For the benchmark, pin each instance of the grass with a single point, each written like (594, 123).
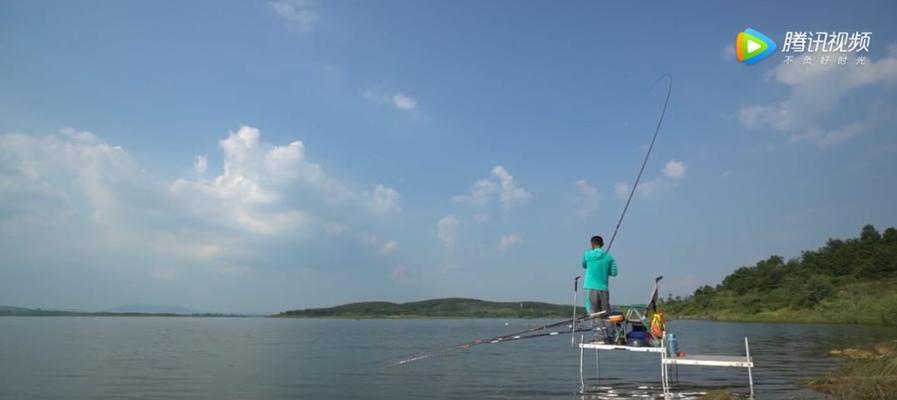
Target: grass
(865, 374)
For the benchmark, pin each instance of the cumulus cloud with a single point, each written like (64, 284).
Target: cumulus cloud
(266, 188)
(403, 102)
(72, 199)
(499, 185)
(674, 169)
(399, 100)
(672, 173)
(384, 199)
(816, 90)
(507, 241)
(297, 14)
(446, 230)
(251, 191)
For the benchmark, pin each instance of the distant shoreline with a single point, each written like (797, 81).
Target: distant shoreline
(447, 308)
(139, 315)
(8, 311)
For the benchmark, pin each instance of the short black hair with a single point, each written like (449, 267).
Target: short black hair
(598, 241)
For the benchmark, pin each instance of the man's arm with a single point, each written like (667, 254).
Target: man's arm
(584, 265)
(613, 267)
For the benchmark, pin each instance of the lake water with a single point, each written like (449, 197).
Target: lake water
(267, 358)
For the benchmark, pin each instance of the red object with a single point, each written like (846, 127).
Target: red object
(680, 354)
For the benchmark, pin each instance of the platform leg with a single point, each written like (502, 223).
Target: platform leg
(596, 366)
(664, 380)
(747, 353)
(582, 383)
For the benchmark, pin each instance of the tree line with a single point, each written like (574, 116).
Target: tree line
(843, 277)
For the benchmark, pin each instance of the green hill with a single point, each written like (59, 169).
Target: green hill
(845, 281)
(438, 308)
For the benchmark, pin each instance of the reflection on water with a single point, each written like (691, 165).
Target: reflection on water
(264, 358)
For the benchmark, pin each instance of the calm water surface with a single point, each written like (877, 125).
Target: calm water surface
(266, 358)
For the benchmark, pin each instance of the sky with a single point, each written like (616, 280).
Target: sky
(255, 157)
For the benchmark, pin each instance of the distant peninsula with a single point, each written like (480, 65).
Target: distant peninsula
(437, 308)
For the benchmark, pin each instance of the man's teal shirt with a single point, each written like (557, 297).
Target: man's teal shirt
(599, 265)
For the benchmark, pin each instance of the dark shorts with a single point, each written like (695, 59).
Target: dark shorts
(599, 300)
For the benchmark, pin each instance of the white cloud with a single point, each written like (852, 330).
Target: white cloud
(297, 14)
(510, 194)
(674, 169)
(586, 200)
(399, 100)
(200, 164)
(252, 190)
(85, 198)
(446, 230)
(621, 189)
(816, 90)
(384, 199)
(501, 185)
(480, 193)
(672, 173)
(266, 188)
(507, 241)
(403, 102)
(389, 247)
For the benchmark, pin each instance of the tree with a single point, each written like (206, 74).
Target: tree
(811, 292)
(869, 234)
(890, 235)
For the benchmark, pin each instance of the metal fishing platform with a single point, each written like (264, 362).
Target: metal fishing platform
(666, 360)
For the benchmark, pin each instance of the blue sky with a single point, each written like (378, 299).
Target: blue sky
(261, 156)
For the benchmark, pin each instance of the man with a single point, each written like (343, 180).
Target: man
(599, 266)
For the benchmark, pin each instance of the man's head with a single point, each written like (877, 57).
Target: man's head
(597, 242)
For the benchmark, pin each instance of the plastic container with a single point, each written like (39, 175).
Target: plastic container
(672, 344)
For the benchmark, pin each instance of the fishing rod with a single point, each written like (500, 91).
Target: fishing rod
(638, 178)
(524, 334)
(645, 161)
(553, 333)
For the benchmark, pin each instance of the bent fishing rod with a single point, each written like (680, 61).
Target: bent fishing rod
(638, 178)
(524, 334)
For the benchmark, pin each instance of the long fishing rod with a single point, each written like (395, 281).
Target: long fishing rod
(645, 161)
(524, 334)
(638, 178)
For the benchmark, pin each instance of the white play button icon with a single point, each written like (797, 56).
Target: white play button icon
(752, 45)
